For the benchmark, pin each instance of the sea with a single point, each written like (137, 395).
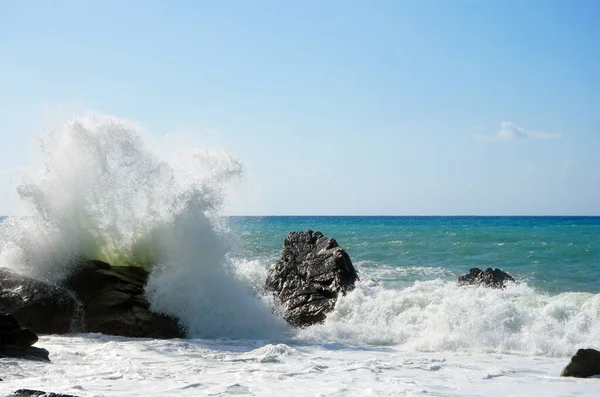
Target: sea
(407, 328)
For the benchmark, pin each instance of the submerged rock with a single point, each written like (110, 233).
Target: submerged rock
(585, 363)
(27, 353)
(493, 278)
(312, 272)
(39, 306)
(16, 341)
(113, 302)
(37, 393)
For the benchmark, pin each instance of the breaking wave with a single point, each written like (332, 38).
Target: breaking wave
(101, 193)
(439, 315)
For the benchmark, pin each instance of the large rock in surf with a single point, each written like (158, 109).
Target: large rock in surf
(113, 302)
(312, 272)
(493, 278)
(39, 306)
(585, 363)
(95, 298)
(16, 341)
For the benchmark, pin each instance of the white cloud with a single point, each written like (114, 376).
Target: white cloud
(509, 131)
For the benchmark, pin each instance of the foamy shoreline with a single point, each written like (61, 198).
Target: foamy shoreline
(98, 365)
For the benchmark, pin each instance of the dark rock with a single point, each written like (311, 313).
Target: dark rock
(585, 363)
(95, 298)
(16, 341)
(28, 353)
(39, 306)
(312, 271)
(113, 302)
(11, 332)
(37, 393)
(493, 278)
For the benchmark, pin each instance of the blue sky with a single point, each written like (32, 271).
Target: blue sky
(334, 107)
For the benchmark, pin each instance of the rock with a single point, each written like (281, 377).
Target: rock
(37, 393)
(113, 302)
(39, 306)
(28, 353)
(308, 278)
(11, 333)
(16, 341)
(95, 298)
(493, 278)
(585, 363)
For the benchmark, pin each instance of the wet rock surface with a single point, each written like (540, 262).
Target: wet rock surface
(492, 278)
(312, 272)
(585, 363)
(97, 297)
(16, 341)
(39, 306)
(113, 302)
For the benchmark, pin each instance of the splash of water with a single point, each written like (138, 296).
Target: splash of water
(438, 315)
(103, 194)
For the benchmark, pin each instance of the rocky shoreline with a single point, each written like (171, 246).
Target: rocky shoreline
(95, 298)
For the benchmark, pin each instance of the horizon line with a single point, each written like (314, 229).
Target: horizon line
(416, 216)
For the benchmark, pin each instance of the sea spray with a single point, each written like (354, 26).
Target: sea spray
(98, 194)
(103, 194)
(211, 300)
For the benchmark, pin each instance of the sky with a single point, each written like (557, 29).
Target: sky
(334, 107)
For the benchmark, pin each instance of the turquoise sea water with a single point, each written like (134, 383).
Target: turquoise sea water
(550, 254)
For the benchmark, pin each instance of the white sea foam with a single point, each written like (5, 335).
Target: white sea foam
(97, 365)
(441, 316)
